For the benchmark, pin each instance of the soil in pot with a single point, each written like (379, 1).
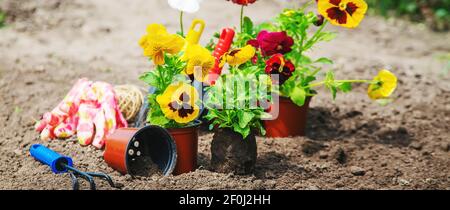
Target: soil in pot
(144, 166)
(230, 153)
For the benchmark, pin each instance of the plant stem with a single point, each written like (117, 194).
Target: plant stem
(161, 76)
(181, 24)
(303, 36)
(302, 40)
(242, 17)
(356, 81)
(342, 81)
(316, 84)
(315, 72)
(308, 43)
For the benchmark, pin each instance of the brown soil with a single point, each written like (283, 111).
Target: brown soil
(144, 166)
(351, 143)
(230, 153)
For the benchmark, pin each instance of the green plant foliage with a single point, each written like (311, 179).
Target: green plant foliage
(160, 79)
(298, 24)
(2, 19)
(231, 102)
(435, 12)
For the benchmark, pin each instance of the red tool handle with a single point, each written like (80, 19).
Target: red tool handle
(224, 44)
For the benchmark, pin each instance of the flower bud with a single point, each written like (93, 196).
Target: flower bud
(319, 20)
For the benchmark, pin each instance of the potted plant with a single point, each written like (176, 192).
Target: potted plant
(175, 104)
(234, 101)
(235, 117)
(281, 45)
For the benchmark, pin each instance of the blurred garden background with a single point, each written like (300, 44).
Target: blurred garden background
(351, 143)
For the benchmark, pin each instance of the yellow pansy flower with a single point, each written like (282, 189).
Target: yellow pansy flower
(179, 103)
(346, 13)
(238, 56)
(199, 62)
(158, 41)
(384, 85)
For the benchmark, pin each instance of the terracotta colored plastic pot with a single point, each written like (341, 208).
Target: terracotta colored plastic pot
(128, 144)
(186, 140)
(291, 120)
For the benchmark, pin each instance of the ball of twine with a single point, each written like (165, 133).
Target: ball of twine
(130, 100)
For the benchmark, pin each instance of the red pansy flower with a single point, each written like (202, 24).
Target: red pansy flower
(272, 43)
(277, 64)
(243, 2)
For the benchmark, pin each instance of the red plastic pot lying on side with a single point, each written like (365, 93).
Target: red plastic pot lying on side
(186, 140)
(291, 120)
(127, 144)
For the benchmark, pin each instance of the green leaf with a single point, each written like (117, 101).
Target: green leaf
(298, 96)
(333, 90)
(211, 126)
(265, 115)
(2, 19)
(248, 25)
(265, 26)
(243, 131)
(411, 7)
(245, 118)
(441, 13)
(345, 87)
(324, 60)
(330, 83)
(251, 70)
(180, 78)
(159, 120)
(329, 77)
(305, 60)
(308, 79)
(327, 36)
(211, 115)
(150, 78)
(262, 130)
(241, 119)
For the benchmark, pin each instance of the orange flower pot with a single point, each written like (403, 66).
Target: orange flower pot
(126, 144)
(291, 119)
(186, 140)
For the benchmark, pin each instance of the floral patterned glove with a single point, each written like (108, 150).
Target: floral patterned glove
(90, 110)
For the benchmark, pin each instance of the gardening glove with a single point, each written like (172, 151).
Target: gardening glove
(99, 115)
(58, 123)
(90, 110)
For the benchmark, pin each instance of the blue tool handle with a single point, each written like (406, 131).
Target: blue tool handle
(50, 158)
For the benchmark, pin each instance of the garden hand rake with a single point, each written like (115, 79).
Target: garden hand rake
(63, 164)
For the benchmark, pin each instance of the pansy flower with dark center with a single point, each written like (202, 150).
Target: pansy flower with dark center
(272, 43)
(278, 65)
(346, 13)
(237, 57)
(179, 103)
